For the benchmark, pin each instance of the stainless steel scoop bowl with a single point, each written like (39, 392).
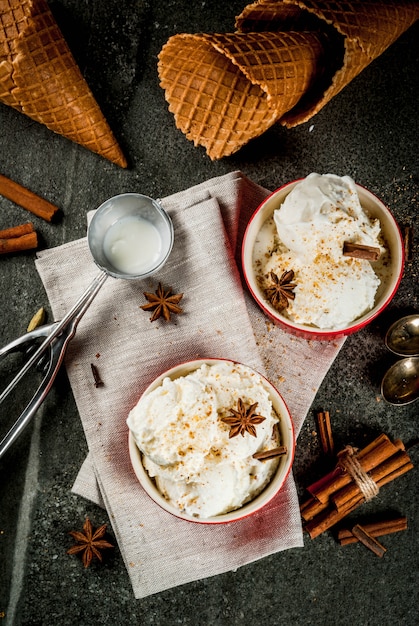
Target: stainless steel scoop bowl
(123, 206)
(402, 337)
(400, 384)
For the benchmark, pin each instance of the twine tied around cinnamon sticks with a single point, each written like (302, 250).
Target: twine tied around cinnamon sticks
(338, 493)
(348, 461)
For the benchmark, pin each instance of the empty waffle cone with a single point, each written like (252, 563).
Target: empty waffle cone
(227, 89)
(358, 30)
(40, 78)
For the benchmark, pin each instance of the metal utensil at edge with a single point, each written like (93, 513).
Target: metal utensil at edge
(58, 334)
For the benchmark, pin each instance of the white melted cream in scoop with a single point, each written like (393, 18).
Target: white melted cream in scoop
(132, 245)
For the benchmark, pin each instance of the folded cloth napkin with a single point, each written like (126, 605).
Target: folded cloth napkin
(219, 320)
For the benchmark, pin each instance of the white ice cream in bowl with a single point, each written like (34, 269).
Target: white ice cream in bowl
(211, 441)
(322, 256)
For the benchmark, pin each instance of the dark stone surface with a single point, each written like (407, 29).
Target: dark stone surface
(369, 131)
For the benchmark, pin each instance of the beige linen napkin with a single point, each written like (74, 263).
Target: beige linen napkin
(219, 320)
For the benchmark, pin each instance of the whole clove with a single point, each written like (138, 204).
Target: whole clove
(96, 376)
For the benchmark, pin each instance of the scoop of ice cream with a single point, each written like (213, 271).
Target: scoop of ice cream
(316, 218)
(186, 446)
(319, 214)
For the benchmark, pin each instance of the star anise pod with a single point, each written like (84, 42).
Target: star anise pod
(243, 419)
(89, 542)
(282, 290)
(163, 303)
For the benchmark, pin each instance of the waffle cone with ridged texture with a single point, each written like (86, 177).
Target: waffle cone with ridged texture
(224, 90)
(40, 78)
(363, 29)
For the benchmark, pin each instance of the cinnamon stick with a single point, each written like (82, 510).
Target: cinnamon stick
(375, 529)
(27, 199)
(330, 515)
(325, 432)
(369, 457)
(328, 487)
(395, 474)
(270, 454)
(379, 475)
(361, 251)
(17, 231)
(17, 244)
(343, 493)
(312, 507)
(358, 498)
(326, 519)
(368, 540)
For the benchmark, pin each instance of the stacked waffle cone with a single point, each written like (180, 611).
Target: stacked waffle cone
(285, 61)
(40, 78)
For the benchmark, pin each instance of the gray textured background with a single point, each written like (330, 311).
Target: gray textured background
(370, 132)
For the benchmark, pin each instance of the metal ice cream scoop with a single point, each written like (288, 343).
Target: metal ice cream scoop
(108, 252)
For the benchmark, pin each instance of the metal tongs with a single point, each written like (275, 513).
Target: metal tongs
(58, 335)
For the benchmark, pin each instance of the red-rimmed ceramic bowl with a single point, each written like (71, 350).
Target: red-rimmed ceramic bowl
(287, 438)
(374, 208)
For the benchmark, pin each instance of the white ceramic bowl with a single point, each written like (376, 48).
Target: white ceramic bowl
(286, 430)
(391, 233)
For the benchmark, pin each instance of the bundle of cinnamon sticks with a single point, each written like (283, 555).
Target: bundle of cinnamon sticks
(337, 494)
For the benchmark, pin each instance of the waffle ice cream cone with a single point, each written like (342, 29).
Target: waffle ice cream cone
(227, 89)
(287, 59)
(359, 31)
(40, 78)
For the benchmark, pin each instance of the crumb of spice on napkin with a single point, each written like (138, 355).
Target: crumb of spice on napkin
(209, 220)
